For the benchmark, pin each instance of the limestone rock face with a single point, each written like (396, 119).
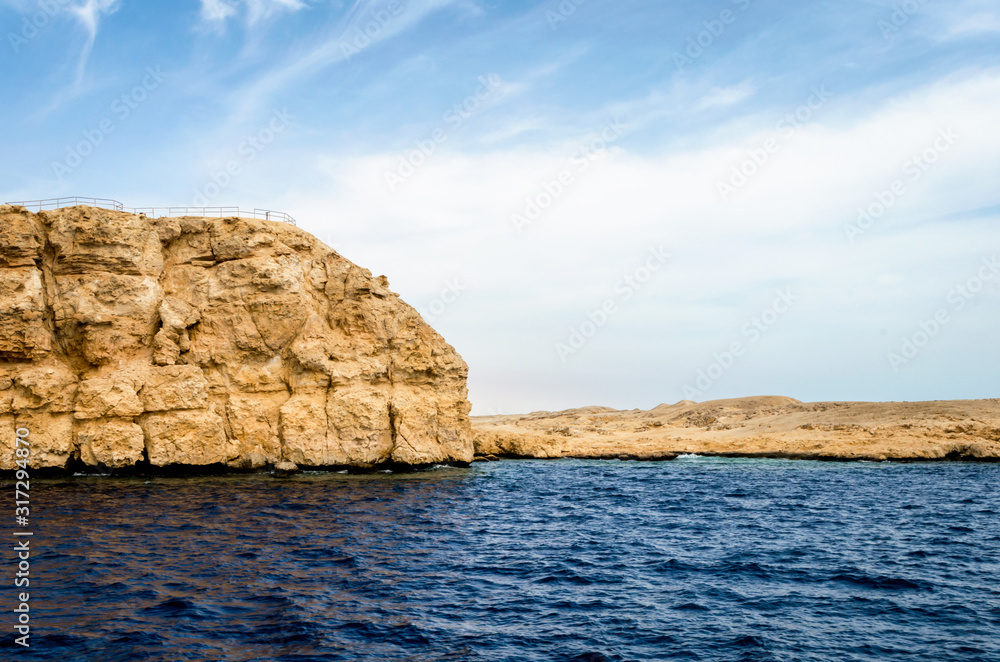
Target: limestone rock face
(198, 341)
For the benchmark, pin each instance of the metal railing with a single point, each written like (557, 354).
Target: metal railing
(155, 212)
(59, 203)
(266, 214)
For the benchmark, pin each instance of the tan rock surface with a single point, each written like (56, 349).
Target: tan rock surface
(767, 426)
(198, 341)
(111, 442)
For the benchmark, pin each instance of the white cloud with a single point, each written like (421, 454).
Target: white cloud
(365, 20)
(217, 12)
(88, 15)
(726, 96)
(971, 25)
(453, 218)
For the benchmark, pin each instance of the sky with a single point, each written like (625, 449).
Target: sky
(596, 202)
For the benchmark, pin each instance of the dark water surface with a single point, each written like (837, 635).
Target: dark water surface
(697, 559)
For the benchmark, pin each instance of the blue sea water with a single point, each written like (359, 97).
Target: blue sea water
(696, 559)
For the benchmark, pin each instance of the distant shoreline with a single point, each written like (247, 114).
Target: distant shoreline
(755, 427)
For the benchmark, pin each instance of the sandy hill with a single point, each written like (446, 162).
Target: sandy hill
(763, 426)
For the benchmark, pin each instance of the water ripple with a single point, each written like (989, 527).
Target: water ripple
(567, 561)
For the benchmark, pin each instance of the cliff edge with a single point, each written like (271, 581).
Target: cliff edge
(200, 341)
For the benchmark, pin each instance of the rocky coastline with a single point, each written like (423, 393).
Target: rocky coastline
(132, 344)
(757, 427)
(135, 345)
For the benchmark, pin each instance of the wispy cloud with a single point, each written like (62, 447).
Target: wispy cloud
(88, 15)
(979, 23)
(726, 96)
(338, 46)
(262, 9)
(217, 12)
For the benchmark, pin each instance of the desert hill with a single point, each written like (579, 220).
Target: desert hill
(763, 426)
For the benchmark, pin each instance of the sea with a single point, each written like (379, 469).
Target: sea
(552, 560)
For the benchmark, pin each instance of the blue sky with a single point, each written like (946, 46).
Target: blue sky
(619, 203)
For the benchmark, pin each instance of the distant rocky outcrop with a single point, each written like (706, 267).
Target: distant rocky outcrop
(197, 341)
(764, 426)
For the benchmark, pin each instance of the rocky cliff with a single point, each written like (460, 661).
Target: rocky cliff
(197, 341)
